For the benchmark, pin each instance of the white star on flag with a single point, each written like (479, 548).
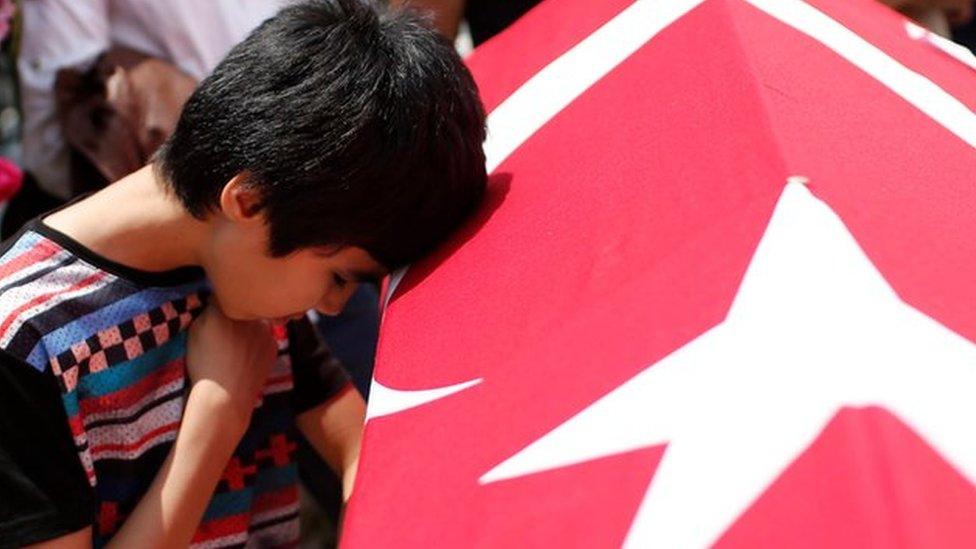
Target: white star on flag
(813, 328)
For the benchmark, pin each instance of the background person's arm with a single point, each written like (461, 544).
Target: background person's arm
(936, 15)
(957, 11)
(447, 13)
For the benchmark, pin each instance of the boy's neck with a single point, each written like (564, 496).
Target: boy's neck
(136, 222)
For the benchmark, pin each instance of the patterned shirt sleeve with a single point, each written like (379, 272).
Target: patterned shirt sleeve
(319, 377)
(44, 492)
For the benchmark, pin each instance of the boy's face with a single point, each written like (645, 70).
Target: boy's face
(250, 284)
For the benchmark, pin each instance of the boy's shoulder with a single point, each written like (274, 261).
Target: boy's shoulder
(53, 301)
(37, 275)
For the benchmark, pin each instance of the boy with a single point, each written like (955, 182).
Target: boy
(336, 143)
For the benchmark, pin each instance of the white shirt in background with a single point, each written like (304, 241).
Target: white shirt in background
(192, 34)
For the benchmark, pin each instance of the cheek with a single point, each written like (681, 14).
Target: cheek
(237, 288)
(251, 287)
(294, 284)
(298, 289)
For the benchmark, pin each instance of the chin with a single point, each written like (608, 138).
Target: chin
(237, 314)
(242, 317)
(247, 315)
(277, 318)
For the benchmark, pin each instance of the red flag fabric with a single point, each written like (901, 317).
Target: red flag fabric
(720, 292)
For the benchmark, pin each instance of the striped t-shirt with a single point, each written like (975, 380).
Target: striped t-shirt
(92, 387)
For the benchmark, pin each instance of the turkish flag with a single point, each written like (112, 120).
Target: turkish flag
(720, 293)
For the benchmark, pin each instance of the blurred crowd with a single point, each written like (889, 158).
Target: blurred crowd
(90, 88)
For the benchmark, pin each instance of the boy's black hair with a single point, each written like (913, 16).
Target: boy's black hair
(357, 124)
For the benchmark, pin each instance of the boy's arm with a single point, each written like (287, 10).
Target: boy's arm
(329, 410)
(335, 429)
(169, 513)
(228, 363)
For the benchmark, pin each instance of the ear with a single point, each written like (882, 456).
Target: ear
(240, 201)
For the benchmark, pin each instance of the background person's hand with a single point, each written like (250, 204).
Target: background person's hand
(956, 12)
(959, 12)
(229, 360)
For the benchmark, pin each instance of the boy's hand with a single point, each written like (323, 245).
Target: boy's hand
(228, 361)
